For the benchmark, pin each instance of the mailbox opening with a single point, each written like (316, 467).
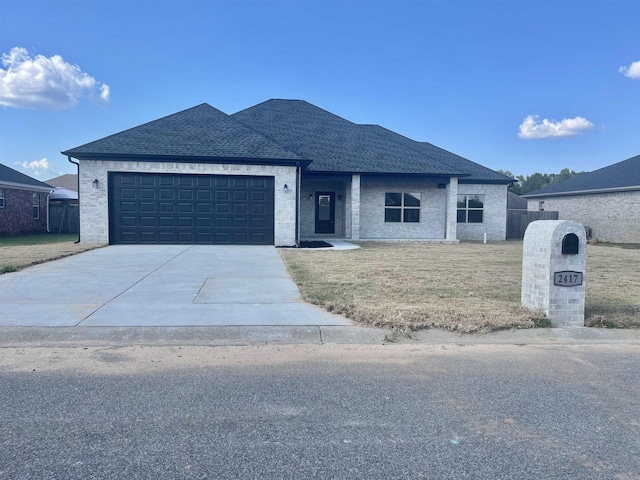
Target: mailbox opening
(570, 244)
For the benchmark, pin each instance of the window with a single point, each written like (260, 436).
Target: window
(470, 208)
(402, 207)
(1, 198)
(36, 206)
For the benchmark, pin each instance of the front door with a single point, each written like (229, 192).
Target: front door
(325, 212)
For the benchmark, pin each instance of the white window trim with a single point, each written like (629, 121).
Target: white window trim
(2, 200)
(36, 206)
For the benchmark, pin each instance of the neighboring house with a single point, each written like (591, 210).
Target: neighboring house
(23, 203)
(515, 202)
(68, 182)
(276, 173)
(519, 218)
(607, 201)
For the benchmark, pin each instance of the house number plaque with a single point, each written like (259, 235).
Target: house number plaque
(567, 279)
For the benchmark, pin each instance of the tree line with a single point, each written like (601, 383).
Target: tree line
(537, 180)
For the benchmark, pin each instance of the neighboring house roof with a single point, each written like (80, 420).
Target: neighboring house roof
(197, 132)
(514, 202)
(288, 131)
(620, 176)
(68, 182)
(14, 179)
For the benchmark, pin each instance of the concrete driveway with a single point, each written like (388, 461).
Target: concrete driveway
(165, 285)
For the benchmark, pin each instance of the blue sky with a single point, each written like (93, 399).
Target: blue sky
(516, 85)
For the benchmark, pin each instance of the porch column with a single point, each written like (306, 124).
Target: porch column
(452, 210)
(355, 207)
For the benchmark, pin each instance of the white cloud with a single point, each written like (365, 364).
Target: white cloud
(532, 128)
(632, 71)
(45, 83)
(105, 92)
(38, 167)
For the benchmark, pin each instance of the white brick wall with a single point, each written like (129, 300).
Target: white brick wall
(495, 213)
(541, 257)
(308, 205)
(612, 217)
(94, 203)
(432, 212)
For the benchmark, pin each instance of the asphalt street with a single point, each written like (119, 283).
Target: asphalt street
(320, 411)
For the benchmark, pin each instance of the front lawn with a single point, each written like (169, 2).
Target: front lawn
(20, 251)
(467, 287)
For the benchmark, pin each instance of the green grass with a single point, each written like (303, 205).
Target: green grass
(37, 239)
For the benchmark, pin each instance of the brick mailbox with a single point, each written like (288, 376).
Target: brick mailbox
(553, 270)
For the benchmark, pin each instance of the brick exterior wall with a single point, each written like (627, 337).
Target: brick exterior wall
(612, 217)
(94, 202)
(308, 208)
(436, 222)
(432, 212)
(542, 256)
(495, 213)
(17, 215)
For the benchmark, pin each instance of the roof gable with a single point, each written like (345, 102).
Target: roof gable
(200, 131)
(14, 178)
(621, 175)
(335, 144)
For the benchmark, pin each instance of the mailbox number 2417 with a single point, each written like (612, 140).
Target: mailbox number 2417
(567, 279)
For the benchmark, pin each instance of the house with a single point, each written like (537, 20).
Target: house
(23, 203)
(607, 201)
(276, 173)
(68, 181)
(516, 202)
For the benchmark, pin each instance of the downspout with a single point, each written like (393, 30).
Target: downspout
(48, 221)
(298, 197)
(77, 164)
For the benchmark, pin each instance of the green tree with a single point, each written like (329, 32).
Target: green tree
(537, 180)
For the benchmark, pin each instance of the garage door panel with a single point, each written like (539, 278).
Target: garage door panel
(187, 209)
(147, 221)
(240, 208)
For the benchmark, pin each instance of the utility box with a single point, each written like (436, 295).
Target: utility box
(554, 269)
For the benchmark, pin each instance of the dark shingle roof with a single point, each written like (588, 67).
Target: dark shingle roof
(475, 171)
(201, 131)
(515, 202)
(335, 144)
(289, 130)
(68, 182)
(12, 176)
(621, 175)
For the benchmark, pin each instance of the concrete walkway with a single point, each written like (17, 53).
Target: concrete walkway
(159, 286)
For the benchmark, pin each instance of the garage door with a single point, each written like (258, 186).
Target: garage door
(190, 209)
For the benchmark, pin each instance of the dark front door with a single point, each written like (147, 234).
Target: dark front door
(325, 212)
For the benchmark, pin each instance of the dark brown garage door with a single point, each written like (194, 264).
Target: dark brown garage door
(190, 209)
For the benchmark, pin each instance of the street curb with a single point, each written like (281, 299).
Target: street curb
(300, 335)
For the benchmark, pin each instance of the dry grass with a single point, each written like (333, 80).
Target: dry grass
(16, 255)
(467, 287)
